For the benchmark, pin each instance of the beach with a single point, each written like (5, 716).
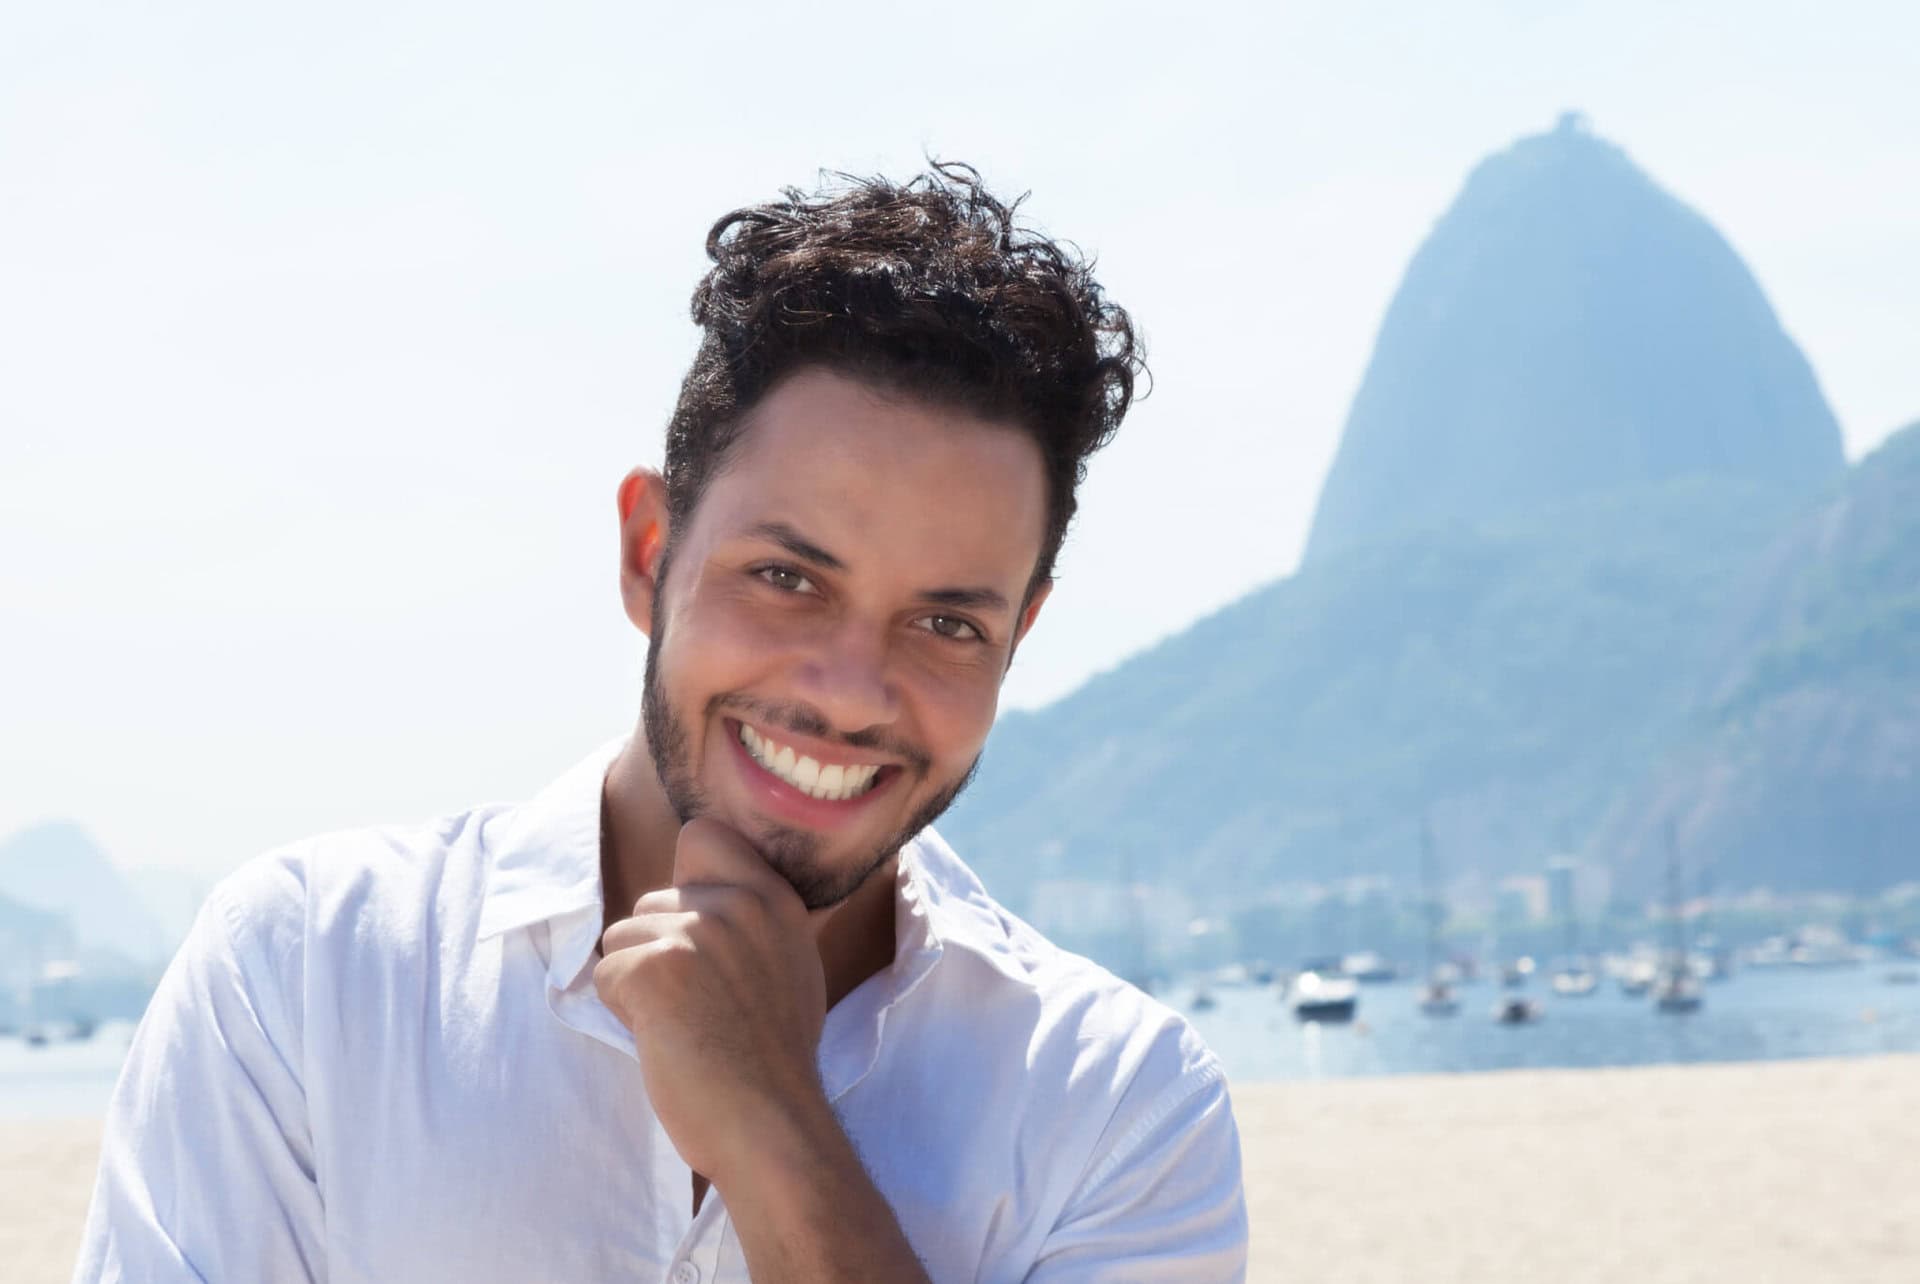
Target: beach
(1737, 1174)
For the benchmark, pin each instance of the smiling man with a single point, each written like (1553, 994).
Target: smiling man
(719, 1004)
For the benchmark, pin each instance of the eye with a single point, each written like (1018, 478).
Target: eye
(785, 578)
(951, 626)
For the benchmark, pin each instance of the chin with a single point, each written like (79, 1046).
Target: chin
(821, 879)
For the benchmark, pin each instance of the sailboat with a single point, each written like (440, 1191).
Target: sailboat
(1574, 978)
(1675, 989)
(1436, 996)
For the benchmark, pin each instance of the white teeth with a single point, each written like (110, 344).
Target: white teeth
(835, 783)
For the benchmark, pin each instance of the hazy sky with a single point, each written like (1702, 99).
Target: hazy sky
(326, 332)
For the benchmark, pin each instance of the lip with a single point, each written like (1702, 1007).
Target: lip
(775, 795)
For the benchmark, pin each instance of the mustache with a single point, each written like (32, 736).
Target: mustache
(808, 721)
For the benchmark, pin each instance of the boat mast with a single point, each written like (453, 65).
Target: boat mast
(1429, 902)
(1674, 911)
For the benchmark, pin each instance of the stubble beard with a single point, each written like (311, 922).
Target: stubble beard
(793, 853)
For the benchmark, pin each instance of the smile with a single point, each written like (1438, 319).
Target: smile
(836, 782)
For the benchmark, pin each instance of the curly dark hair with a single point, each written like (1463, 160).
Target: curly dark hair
(929, 288)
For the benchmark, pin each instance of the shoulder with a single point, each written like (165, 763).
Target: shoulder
(360, 889)
(1118, 1092)
(1097, 1032)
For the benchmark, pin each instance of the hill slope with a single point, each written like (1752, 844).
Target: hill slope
(1506, 680)
(1805, 765)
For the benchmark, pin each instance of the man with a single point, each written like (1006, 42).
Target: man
(718, 1004)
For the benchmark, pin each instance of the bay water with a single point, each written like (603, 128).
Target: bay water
(1756, 1015)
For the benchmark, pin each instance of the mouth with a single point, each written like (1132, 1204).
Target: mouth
(801, 786)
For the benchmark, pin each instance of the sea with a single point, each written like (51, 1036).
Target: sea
(1766, 1014)
(1756, 1015)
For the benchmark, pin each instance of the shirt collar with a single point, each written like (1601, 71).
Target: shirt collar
(942, 902)
(544, 855)
(940, 908)
(544, 865)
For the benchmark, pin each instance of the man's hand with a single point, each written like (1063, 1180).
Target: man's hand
(719, 979)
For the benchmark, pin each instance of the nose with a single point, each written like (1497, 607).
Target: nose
(848, 678)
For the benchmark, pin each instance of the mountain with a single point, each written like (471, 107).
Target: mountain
(57, 867)
(1589, 563)
(1568, 328)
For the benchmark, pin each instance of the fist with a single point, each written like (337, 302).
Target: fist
(719, 979)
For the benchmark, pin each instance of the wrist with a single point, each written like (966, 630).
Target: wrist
(805, 1207)
(785, 1146)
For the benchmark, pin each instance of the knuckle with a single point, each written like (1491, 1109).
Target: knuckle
(660, 900)
(705, 926)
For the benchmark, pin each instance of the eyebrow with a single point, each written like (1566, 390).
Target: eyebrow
(797, 544)
(973, 599)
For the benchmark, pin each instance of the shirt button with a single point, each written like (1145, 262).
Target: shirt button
(686, 1273)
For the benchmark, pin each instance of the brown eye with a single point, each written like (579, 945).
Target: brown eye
(951, 626)
(785, 578)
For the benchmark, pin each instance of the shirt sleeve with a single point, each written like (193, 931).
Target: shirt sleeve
(206, 1165)
(1165, 1204)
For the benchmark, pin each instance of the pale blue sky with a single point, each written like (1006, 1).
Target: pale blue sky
(325, 333)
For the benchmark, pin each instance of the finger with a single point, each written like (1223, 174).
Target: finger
(644, 929)
(671, 910)
(661, 900)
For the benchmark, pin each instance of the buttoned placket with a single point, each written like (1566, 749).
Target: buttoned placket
(698, 1259)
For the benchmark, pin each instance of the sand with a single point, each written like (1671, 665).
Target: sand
(1805, 1171)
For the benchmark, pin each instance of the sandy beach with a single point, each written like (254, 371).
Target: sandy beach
(1740, 1174)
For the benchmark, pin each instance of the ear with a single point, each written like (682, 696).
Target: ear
(643, 538)
(1028, 614)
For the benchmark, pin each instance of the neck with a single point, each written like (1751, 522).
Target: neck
(639, 831)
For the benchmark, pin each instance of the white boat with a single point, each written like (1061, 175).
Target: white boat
(1324, 997)
(1574, 982)
(1637, 977)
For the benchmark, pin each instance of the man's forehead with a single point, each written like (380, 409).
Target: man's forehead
(832, 458)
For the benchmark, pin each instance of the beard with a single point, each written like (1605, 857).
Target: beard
(794, 854)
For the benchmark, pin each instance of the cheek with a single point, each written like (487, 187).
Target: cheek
(717, 643)
(956, 709)
(722, 628)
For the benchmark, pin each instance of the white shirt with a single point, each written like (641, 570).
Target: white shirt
(380, 1057)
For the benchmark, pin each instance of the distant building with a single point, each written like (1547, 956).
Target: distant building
(1577, 889)
(1521, 899)
(1155, 920)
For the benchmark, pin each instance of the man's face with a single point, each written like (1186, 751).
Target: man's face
(830, 638)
